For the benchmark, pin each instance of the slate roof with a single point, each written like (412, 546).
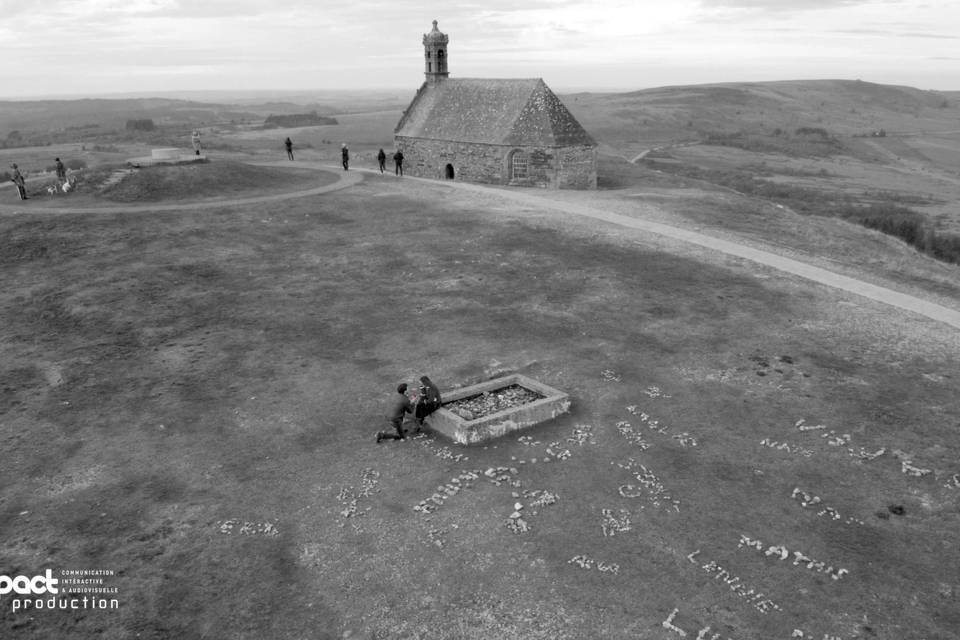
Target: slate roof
(516, 112)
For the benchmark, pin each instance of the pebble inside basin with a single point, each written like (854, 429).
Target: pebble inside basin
(552, 404)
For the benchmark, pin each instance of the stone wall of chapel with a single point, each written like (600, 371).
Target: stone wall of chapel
(547, 167)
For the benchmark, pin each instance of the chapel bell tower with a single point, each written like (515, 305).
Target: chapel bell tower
(435, 55)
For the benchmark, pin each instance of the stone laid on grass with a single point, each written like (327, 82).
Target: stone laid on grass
(244, 528)
(586, 562)
(807, 500)
(496, 407)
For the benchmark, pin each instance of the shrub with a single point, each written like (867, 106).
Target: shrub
(141, 124)
(813, 131)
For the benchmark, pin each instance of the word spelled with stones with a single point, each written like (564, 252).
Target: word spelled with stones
(655, 392)
(704, 634)
(649, 486)
(801, 424)
(585, 562)
(653, 425)
(609, 375)
(867, 456)
(349, 497)
(230, 527)
(797, 633)
(632, 436)
(614, 524)
(444, 452)
(452, 488)
(840, 440)
(685, 439)
(779, 552)
(808, 500)
(784, 446)
(909, 469)
(755, 598)
(528, 441)
(582, 434)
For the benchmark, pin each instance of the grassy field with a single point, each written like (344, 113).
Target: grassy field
(189, 399)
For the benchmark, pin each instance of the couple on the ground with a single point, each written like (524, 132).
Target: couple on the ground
(423, 404)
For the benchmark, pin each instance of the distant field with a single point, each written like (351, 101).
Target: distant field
(363, 133)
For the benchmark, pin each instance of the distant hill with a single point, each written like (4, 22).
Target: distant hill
(311, 119)
(634, 121)
(60, 115)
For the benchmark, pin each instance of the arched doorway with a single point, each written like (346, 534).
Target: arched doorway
(448, 172)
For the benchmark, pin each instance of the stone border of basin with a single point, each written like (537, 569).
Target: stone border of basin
(168, 155)
(444, 421)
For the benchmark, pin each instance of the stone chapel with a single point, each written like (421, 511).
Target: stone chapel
(494, 131)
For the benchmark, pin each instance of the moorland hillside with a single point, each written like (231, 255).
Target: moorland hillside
(632, 122)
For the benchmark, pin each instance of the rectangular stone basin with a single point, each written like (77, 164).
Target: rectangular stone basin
(445, 421)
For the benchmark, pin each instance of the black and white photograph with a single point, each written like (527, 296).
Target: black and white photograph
(542, 320)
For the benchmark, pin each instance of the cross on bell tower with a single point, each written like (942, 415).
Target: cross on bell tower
(435, 55)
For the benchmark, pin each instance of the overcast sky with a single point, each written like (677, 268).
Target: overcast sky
(91, 47)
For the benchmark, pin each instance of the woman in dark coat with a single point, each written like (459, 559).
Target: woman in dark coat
(428, 401)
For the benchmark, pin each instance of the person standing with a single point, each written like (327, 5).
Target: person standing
(61, 171)
(345, 156)
(398, 410)
(288, 143)
(382, 160)
(428, 400)
(195, 139)
(17, 179)
(398, 161)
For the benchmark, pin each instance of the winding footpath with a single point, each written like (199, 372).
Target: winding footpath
(893, 298)
(344, 179)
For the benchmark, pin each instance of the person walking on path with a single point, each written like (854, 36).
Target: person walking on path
(382, 160)
(345, 157)
(398, 410)
(17, 179)
(288, 143)
(398, 161)
(61, 171)
(428, 400)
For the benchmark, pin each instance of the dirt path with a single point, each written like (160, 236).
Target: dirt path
(911, 303)
(344, 180)
(908, 302)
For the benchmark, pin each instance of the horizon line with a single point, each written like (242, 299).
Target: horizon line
(159, 93)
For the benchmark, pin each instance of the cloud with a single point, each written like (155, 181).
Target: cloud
(935, 36)
(229, 43)
(791, 6)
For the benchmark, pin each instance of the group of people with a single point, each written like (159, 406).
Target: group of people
(426, 401)
(16, 177)
(397, 161)
(345, 157)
